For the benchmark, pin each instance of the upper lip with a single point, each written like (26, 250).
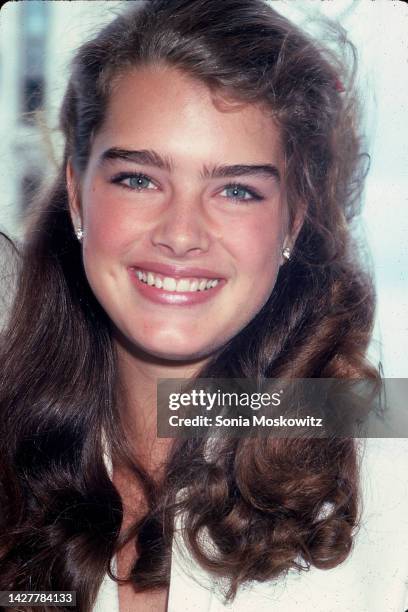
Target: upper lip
(176, 271)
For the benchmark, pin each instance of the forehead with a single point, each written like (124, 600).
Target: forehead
(165, 107)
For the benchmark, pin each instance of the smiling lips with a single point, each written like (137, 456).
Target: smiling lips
(166, 284)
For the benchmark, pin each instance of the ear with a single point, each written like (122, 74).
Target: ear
(293, 232)
(73, 196)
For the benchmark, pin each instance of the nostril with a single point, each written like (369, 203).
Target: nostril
(179, 245)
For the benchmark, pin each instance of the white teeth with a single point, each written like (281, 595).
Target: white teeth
(183, 285)
(169, 284)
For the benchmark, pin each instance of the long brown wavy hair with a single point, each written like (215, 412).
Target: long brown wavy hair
(267, 504)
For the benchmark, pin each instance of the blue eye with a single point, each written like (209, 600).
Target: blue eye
(136, 182)
(139, 182)
(240, 193)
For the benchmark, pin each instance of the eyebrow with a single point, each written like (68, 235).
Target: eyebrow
(267, 170)
(144, 158)
(152, 158)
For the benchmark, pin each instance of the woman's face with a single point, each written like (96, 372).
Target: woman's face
(183, 213)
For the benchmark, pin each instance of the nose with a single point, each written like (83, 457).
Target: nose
(183, 228)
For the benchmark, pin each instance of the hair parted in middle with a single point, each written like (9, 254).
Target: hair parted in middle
(259, 500)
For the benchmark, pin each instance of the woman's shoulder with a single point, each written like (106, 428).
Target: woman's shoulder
(372, 579)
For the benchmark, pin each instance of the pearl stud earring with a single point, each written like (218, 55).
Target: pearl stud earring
(286, 253)
(79, 233)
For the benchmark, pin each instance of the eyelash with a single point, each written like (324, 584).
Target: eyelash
(119, 179)
(254, 196)
(240, 186)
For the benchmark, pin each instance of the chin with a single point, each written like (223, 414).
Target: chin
(173, 352)
(164, 347)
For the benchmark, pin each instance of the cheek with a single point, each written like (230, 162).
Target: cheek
(106, 225)
(257, 245)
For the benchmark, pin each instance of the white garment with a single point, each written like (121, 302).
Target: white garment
(374, 578)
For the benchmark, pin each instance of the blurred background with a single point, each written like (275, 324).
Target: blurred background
(38, 38)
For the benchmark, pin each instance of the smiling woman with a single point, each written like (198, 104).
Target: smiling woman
(175, 196)
(199, 227)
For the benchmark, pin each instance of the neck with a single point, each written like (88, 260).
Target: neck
(138, 377)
